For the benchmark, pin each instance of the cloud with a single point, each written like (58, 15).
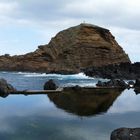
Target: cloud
(7, 8)
(129, 40)
(113, 13)
(49, 17)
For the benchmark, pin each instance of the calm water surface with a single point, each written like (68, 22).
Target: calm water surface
(70, 116)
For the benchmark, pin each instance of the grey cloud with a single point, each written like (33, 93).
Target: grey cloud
(50, 16)
(119, 13)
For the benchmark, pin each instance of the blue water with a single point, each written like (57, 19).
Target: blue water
(37, 117)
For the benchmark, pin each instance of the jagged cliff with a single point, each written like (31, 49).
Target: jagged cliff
(70, 51)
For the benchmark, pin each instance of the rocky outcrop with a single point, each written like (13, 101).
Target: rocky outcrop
(5, 88)
(70, 51)
(126, 134)
(115, 71)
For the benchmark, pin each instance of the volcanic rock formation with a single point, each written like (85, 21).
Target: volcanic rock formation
(115, 71)
(70, 51)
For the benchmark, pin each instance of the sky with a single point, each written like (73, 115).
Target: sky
(26, 24)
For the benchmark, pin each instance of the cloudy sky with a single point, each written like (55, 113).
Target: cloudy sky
(25, 24)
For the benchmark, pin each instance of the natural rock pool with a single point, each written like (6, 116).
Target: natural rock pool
(83, 115)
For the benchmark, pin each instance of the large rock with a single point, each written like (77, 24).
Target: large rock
(131, 84)
(126, 134)
(5, 88)
(137, 83)
(70, 51)
(50, 85)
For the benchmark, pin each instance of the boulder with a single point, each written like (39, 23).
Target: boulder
(126, 134)
(137, 90)
(131, 84)
(50, 85)
(137, 83)
(5, 88)
(129, 71)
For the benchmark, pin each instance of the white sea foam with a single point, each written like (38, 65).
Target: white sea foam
(57, 76)
(35, 75)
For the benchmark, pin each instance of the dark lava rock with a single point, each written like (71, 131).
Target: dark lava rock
(112, 83)
(137, 90)
(50, 85)
(131, 84)
(115, 71)
(77, 87)
(100, 84)
(126, 134)
(5, 88)
(137, 86)
(137, 83)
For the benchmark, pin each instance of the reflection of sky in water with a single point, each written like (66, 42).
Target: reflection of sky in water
(128, 101)
(35, 117)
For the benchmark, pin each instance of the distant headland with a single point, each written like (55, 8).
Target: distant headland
(82, 48)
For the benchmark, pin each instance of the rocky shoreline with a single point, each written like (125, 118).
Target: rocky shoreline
(129, 71)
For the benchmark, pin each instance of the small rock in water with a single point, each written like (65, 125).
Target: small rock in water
(77, 87)
(126, 134)
(131, 84)
(50, 85)
(137, 90)
(5, 88)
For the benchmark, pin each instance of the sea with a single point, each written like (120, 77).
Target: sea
(75, 115)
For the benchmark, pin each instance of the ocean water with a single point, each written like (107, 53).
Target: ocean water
(81, 115)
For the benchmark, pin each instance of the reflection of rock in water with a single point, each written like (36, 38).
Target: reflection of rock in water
(85, 102)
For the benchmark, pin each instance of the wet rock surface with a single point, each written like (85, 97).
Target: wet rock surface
(126, 134)
(5, 88)
(118, 71)
(112, 83)
(50, 85)
(131, 84)
(137, 83)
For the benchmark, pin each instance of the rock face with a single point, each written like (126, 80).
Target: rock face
(126, 134)
(115, 71)
(70, 51)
